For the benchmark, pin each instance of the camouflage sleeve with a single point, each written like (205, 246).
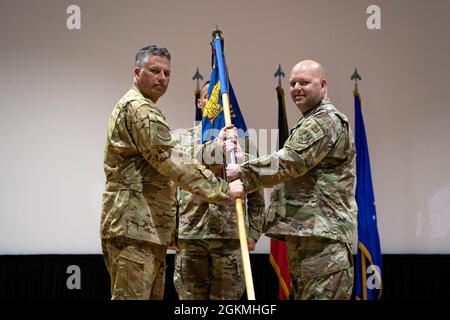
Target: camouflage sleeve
(208, 154)
(255, 211)
(211, 155)
(184, 138)
(303, 150)
(188, 142)
(255, 200)
(156, 143)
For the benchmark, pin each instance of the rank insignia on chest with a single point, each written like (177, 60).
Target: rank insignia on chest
(315, 128)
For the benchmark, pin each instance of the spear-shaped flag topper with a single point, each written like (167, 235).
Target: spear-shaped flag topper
(279, 73)
(197, 76)
(356, 77)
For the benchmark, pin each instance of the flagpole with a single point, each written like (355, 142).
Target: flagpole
(217, 37)
(278, 250)
(198, 114)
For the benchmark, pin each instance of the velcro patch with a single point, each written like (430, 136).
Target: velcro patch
(315, 128)
(163, 133)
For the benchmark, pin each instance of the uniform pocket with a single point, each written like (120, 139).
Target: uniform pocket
(332, 259)
(237, 283)
(135, 274)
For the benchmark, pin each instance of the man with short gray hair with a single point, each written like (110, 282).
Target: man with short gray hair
(142, 167)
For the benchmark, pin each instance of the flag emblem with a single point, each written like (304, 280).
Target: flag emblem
(213, 108)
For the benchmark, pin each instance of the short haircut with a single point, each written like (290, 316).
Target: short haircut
(205, 84)
(152, 50)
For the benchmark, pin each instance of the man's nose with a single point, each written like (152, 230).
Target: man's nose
(297, 87)
(162, 76)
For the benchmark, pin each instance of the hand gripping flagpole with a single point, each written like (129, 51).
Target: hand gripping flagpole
(231, 157)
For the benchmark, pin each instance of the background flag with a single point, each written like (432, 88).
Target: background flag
(368, 273)
(278, 250)
(213, 117)
(198, 112)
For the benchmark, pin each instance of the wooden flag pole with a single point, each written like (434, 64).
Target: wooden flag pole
(240, 215)
(231, 157)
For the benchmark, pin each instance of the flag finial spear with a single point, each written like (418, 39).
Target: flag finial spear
(279, 73)
(217, 32)
(356, 77)
(197, 76)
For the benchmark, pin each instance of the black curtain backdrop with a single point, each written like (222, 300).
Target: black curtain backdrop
(44, 277)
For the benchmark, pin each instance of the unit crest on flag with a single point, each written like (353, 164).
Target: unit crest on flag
(213, 107)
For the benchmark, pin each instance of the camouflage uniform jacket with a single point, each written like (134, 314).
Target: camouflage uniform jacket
(141, 166)
(200, 220)
(314, 173)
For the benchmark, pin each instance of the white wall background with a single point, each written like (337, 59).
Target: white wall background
(58, 87)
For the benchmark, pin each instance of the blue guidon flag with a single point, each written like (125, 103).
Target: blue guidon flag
(368, 273)
(213, 116)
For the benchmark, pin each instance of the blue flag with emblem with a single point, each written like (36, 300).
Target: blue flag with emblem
(213, 116)
(368, 273)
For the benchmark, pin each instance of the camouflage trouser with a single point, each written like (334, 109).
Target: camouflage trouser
(137, 268)
(320, 268)
(209, 269)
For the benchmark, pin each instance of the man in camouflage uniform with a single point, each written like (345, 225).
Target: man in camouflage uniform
(313, 206)
(142, 167)
(208, 263)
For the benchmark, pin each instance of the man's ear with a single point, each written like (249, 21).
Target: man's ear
(324, 87)
(137, 72)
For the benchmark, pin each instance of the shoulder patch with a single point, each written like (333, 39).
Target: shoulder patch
(163, 133)
(160, 135)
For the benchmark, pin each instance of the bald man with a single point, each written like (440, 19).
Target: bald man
(313, 204)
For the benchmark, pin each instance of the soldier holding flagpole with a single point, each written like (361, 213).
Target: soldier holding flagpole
(315, 209)
(142, 166)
